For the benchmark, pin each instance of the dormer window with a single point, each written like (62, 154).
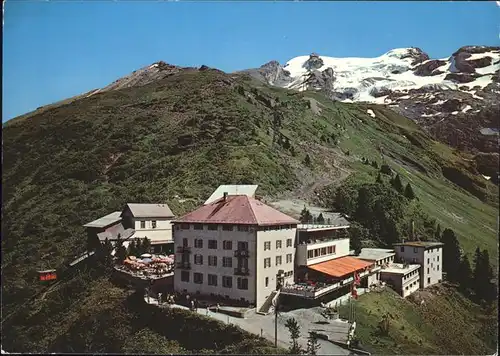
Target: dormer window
(143, 224)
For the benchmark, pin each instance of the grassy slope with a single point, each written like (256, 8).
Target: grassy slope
(69, 165)
(446, 323)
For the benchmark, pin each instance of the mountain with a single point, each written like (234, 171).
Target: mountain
(172, 134)
(456, 99)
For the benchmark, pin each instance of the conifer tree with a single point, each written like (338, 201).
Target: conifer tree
(320, 219)
(397, 184)
(451, 255)
(294, 329)
(465, 274)
(409, 192)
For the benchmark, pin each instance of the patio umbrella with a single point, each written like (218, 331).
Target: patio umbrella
(147, 260)
(146, 255)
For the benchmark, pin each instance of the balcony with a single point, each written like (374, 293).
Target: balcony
(241, 253)
(241, 271)
(183, 249)
(184, 265)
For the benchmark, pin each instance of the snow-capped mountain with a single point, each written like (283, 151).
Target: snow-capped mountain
(437, 93)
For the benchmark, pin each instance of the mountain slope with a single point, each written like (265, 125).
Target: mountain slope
(177, 138)
(457, 99)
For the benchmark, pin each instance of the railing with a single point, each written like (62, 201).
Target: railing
(184, 265)
(241, 271)
(183, 249)
(241, 253)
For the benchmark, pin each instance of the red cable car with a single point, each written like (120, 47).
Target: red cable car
(47, 275)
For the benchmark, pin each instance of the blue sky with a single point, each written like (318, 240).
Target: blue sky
(54, 50)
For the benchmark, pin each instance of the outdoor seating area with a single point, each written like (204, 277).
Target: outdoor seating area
(150, 266)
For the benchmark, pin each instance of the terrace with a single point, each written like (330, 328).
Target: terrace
(148, 267)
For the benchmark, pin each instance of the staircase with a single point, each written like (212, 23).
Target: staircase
(268, 305)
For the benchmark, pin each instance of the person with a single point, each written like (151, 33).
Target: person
(217, 307)
(192, 305)
(195, 304)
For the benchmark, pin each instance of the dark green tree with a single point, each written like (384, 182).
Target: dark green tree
(397, 184)
(307, 160)
(305, 216)
(357, 234)
(105, 257)
(320, 219)
(385, 169)
(465, 275)
(132, 248)
(146, 245)
(437, 234)
(483, 285)
(313, 345)
(409, 192)
(294, 329)
(451, 255)
(375, 164)
(379, 179)
(138, 246)
(93, 242)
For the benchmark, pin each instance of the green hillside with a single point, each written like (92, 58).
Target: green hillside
(177, 139)
(436, 321)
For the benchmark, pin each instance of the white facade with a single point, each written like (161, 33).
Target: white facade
(266, 275)
(158, 230)
(428, 256)
(261, 276)
(404, 279)
(309, 254)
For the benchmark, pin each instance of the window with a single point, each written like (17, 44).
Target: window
(406, 288)
(278, 260)
(212, 244)
(267, 245)
(184, 226)
(288, 242)
(198, 278)
(402, 249)
(198, 259)
(198, 243)
(267, 262)
(184, 242)
(212, 260)
(310, 254)
(227, 261)
(242, 228)
(212, 280)
(278, 244)
(242, 245)
(213, 227)
(415, 250)
(323, 251)
(428, 280)
(227, 245)
(153, 224)
(267, 281)
(143, 224)
(329, 250)
(227, 281)
(198, 226)
(184, 276)
(289, 258)
(243, 283)
(316, 252)
(437, 267)
(428, 260)
(438, 258)
(227, 227)
(428, 270)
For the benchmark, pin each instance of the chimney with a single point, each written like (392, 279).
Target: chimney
(225, 196)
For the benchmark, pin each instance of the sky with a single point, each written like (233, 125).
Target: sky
(54, 49)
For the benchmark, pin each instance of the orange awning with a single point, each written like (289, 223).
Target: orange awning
(340, 267)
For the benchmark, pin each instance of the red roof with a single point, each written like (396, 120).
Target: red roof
(237, 209)
(340, 267)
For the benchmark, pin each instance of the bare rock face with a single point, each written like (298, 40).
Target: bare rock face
(462, 64)
(461, 77)
(429, 68)
(378, 92)
(321, 80)
(314, 62)
(418, 56)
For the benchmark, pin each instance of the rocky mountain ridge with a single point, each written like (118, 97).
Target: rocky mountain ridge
(457, 99)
